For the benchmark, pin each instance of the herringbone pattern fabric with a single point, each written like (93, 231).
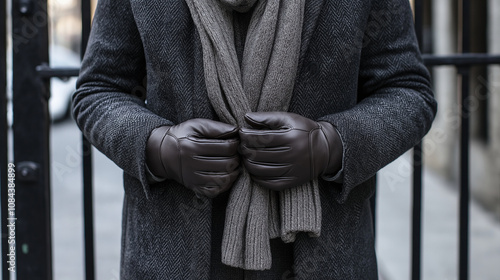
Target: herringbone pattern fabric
(359, 69)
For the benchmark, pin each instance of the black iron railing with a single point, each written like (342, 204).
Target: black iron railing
(88, 208)
(463, 62)
(416, 246)
(30, 132)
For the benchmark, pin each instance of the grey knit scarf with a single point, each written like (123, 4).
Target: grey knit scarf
(263, 82)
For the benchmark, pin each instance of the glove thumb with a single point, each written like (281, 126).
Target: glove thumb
(214, 130)
(275, 120)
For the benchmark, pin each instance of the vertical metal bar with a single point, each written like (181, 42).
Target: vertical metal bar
(31, 140)
(416, 247)
(88, 208)
(86, 24)
(3, 134)
(464, 181)
(463, 265)
(373, 207)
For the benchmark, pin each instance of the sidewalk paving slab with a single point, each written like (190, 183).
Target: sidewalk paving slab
(440, 228)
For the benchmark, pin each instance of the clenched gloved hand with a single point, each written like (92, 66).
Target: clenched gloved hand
(200, 154)
(283, 150)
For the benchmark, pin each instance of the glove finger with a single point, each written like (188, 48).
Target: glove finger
(230, 179)
(269, 120)
(276, 184)
(260, 169)
(208, 191)
(206, 128)
(221, 179)
(211, 184)
(272, 155)
(209, 147)
(265, 138)
(278, 120)
(213, 164)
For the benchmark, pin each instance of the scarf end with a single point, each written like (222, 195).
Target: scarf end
(261, 264)
(290, 236)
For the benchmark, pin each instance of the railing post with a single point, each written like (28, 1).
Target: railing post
(88, 199)
(463, 265)
(416, 237)
(31, 140)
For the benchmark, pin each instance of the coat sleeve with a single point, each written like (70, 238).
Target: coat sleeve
(396, 105)
(109, 104)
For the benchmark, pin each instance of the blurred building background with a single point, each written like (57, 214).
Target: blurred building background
(442, 143)
(65, 23)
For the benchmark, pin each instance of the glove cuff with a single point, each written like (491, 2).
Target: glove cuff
(335, 149)
(153, 151)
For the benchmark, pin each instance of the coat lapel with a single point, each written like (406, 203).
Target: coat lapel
(311, 14)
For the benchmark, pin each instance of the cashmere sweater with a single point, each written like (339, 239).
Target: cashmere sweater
(359, 69)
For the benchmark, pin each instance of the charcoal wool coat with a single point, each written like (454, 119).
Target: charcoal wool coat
(359, 69)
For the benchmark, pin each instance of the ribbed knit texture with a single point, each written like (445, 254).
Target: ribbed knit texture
(263, 82)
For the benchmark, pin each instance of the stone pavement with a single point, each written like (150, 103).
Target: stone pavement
(440, 219)
(67, 208)
(440, 228)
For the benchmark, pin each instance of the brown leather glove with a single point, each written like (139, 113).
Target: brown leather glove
(284, 150)
(200, 154)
